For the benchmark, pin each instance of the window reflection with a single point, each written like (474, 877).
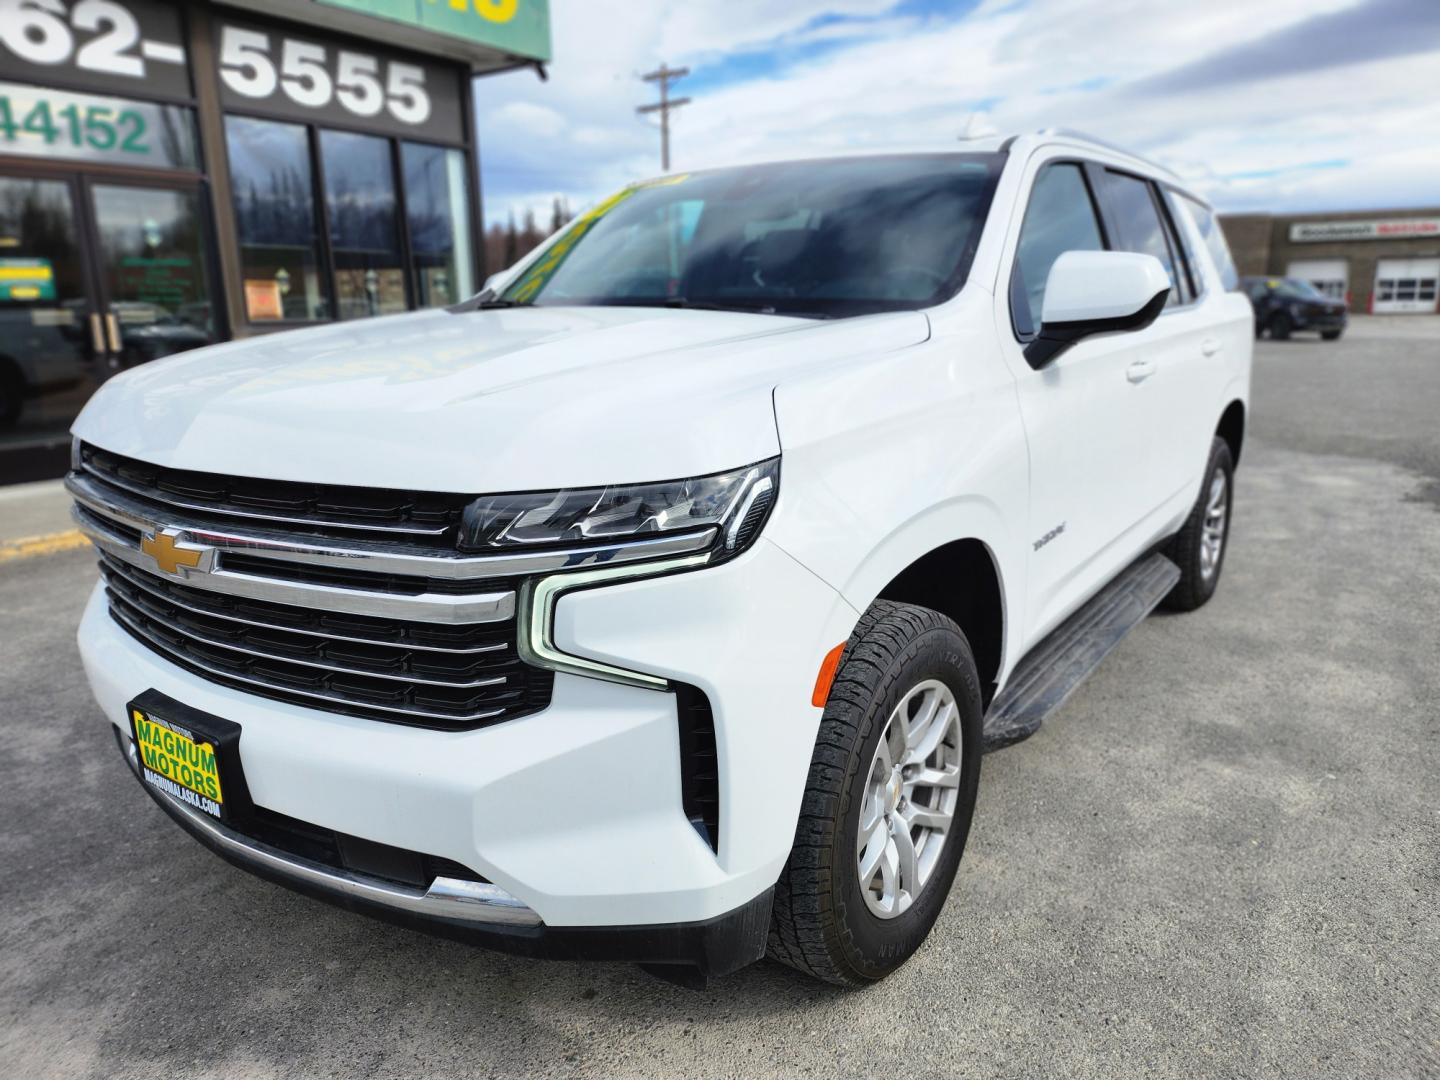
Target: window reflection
(438, 212)
(275, 216)
(364, 232)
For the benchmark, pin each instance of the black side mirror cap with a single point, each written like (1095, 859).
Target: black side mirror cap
(1054, 338)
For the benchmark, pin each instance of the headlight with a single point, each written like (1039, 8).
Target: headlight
(732, 505)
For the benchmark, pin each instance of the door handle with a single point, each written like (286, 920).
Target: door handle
(97, 336)
(112, 329)
(1210, 346)
(1140, 370)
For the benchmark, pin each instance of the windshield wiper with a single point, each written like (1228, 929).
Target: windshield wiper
(713, 305)
(487, 300)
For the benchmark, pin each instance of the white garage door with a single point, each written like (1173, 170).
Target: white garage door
(1406, 285)
(1330, 276)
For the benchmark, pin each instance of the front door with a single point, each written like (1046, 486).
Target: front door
(1085, 414)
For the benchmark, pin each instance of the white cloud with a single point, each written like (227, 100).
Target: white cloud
(916, 79)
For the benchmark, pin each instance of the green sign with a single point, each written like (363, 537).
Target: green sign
(521, 27)
(27, 279)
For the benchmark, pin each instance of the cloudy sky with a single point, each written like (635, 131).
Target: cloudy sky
(1262, 104)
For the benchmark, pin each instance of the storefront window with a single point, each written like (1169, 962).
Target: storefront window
(438, 212)
(364, 224)
(275, 217)
(46, 371)
(152, 262)
(60, 126)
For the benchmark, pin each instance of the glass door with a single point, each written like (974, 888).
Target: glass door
(152, 257)
(51, 335)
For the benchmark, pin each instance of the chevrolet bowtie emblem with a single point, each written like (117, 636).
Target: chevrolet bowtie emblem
(164, 547)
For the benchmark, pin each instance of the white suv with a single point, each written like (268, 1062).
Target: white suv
(659, 602)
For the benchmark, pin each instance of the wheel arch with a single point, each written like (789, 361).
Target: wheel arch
(960, 579)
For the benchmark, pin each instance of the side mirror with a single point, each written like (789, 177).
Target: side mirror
(1096, 292)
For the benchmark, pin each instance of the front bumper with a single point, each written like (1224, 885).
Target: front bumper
(483, 914)
(575, 812)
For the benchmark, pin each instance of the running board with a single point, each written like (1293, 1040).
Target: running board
(1051, 671)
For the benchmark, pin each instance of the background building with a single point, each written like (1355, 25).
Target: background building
(173, 175)
(1385, 262)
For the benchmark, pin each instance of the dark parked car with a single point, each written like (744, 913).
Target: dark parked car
(1284, 305)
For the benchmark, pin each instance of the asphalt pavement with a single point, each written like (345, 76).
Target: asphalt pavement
(1220, 858)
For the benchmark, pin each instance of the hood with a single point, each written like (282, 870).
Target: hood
(483, 401)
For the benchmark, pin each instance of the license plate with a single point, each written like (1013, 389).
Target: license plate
(178, 761)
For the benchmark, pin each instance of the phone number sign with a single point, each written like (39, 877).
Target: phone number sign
(263, 69)
(115, 46)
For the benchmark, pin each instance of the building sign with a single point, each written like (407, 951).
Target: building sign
(297, 76)
(113, 46)
(521, 27)
(1381, 229)
(60, 126)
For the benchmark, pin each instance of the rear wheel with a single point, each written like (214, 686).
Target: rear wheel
(1199, 547)
(1330, 335)
(888, 803)
(1279, 326)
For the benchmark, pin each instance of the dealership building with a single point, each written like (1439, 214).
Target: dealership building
(1384, 263)
(177, 174)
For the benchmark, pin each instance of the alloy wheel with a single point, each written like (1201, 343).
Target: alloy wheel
(1212, 529)
(911, 793)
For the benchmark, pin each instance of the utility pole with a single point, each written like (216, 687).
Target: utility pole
(664, 76)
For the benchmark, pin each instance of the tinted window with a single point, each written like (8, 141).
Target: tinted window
(275, 216)
(839, 237)
(1059, 218)
(1137, 221)
(1209, 229)
(364, 225)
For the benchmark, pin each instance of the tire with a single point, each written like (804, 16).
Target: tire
(823, 924)
(1331, 335)
(12, 393)
(1192, 548)
(1279, 327)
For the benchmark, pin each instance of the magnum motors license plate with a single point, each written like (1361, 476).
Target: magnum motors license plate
(178, 760)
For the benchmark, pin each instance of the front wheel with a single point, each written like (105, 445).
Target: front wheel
(888, 802)
(1199, 547)
(1330, 335)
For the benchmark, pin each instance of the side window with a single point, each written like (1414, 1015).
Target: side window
(1060, 218)
(1191, 283)
(1137, 220)
(1209, 229)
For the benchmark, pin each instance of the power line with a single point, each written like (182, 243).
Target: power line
(665, 76)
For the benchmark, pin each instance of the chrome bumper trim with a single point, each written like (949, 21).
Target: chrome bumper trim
(446, 898)
(377, 557)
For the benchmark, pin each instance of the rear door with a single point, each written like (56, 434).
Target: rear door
(1177, 357)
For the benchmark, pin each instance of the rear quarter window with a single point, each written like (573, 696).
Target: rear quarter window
(1208, 226)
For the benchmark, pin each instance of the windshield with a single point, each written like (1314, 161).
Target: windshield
(822, 238)
(1295, 289)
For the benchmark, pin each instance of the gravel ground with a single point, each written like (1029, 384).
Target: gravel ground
(1221, 858)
